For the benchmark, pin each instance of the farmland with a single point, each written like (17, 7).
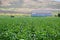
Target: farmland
(29, 28)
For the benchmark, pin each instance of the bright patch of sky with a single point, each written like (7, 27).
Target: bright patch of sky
(57, 0)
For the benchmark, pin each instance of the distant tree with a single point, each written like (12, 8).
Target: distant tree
(58, 14)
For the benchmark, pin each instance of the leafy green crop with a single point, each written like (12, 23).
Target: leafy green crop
(29, 28)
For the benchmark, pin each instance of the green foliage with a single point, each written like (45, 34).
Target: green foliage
(29, 28)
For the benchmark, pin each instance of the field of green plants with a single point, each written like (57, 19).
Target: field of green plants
(29, 28)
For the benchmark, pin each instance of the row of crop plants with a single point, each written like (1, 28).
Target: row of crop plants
(29, 28)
